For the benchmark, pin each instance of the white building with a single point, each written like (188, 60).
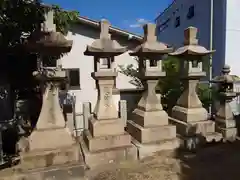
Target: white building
(226, 28)
(80, 67)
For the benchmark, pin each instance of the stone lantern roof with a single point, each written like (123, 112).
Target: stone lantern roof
(48, 40)
(104, 46)
(150, 45)
(191, 46)
(225, 77)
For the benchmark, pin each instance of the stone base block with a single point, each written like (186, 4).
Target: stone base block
(189, 115)
(64, 172)
(149, 119)
(213, 137)
(189, 129)
(109, 127)
(230, 123)
(193, 142)
(151, 134)
(47, 158)
(229, 134)
(114, 155)
(106, 142)
(149, 149)
(50, 139)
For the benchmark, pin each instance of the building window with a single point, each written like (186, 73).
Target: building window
(164, 25)
(177, 21)
(191, 12)
(73, 78)
(63, 86)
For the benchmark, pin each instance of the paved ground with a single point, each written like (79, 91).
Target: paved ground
(218, 162)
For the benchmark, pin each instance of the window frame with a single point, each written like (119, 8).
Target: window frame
(73, 87)
(191, 12)
(177, 22)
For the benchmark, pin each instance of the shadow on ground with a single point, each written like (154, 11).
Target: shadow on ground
(221, 161)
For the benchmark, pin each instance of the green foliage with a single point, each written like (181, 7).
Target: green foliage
(19, 18)
(170, 86)
(63, 19)
(132, 71)
(205, 94)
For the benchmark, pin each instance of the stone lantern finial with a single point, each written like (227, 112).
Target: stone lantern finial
(190, 36)
(48, 25)
(150, 32)
(104, 25)
(226, 69)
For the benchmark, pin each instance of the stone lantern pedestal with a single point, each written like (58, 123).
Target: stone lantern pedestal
(51, 143)
(105, 141)
(190, 118)
(149, 125)
(225, 122)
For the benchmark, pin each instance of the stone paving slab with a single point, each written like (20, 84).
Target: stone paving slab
(66, 172)
(216, 162)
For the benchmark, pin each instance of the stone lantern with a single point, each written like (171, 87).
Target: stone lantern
(225, 122)
(50, 138)
(188, 114)
(149, 122)
(106, 140)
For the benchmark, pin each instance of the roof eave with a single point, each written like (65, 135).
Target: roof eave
(112, 29)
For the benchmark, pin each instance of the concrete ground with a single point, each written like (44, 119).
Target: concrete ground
(215, 162)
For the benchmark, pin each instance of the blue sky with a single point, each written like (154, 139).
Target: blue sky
(125, 14)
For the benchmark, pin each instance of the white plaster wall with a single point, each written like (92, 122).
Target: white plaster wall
(76, 59)
(233, 36)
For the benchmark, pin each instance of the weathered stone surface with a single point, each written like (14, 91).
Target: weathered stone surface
(51, 157)
(106, 142)
(64, 172)
(189, 114)
(152, 134)
(123, 111)
(99, 158)
(225, 123)
(229, 134)
(203, 129)
(86, 113)
(51, 143)
(149, 122)
(149, 119)
(107, 127)
(185, 129)
(149, 149)
(50, 139)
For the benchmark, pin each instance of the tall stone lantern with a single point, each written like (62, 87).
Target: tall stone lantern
(149, 122)
(106, 140)
(188, 114)
(225, 122)
(50, 138)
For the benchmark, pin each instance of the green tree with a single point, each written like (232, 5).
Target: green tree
(19, 18)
